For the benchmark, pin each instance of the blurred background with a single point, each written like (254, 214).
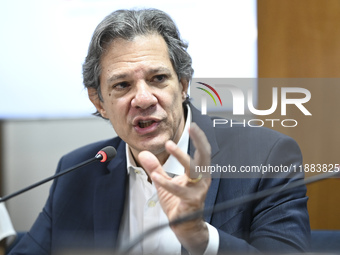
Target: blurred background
(44, 109)
(45, 113)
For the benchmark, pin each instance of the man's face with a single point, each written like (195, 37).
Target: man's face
(142, 96)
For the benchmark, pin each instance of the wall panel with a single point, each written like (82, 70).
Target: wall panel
(301, 39)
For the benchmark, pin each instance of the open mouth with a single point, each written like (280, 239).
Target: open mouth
(145, 123)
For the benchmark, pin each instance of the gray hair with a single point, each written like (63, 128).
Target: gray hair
(127, 24)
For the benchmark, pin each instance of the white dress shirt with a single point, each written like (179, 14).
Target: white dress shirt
(143, 210)
(6, 227)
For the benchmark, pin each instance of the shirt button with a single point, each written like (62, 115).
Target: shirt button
(137, 171)
(152, 203)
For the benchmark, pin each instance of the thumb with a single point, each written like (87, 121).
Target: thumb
(150, 163)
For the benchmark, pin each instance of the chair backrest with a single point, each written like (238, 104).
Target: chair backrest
(322, 241)
(325, 241)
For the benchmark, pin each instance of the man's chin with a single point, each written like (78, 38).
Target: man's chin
(156, 148)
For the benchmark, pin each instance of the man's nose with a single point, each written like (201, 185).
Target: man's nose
(144, 98)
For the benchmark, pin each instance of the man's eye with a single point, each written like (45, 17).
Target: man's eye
(121, 85)
(159, 78)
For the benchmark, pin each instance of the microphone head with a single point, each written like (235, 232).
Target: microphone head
(106, 154)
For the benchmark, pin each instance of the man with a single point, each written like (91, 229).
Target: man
(137, 73)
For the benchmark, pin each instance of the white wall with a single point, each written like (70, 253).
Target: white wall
(48, 40)
(32, 149)
(49, 62)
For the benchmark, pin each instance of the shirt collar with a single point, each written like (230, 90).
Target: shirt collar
(172, 165)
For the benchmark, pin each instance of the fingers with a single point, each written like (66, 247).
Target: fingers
(202, 154)
(151, 164)
(200, 142)
(201, 158)
(160, 178)
(180, 155)
(174, 187)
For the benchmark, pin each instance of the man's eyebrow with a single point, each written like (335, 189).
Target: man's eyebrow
(114, 77)
(160, 70)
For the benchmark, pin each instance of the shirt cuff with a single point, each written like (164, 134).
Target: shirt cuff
(214, 241)
(6, 227)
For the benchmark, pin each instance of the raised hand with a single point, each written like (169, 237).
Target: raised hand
(182, 195)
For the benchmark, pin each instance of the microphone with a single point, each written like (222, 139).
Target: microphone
(229, 204)
(104, 155)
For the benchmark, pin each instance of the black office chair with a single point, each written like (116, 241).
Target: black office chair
(322, 241)
(325, 241)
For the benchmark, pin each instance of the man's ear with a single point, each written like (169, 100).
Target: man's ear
(94, 97)
(185, 87)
